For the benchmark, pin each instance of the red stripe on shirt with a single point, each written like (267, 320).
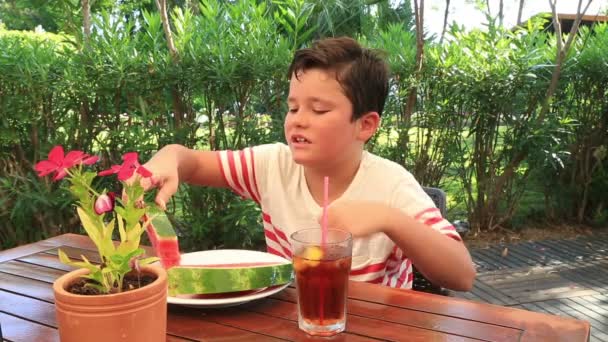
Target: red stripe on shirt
(280, 233)
(428, 210)
(453, 235)
(277, 230)
(255, 180)
(275, 252)
(433, 220)
(369, 269)
(393, 262)
(246, 176)
(448, 227)
(397, 262)
(233, 175)
(403, 274)
(272, 236)
(287, 252)
(392, 272)
(219, 161)
(450, 231)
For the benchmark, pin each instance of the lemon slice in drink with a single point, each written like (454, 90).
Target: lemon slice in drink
(310, 257)
(313, 253)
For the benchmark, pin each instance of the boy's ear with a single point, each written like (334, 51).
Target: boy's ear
(368, 124)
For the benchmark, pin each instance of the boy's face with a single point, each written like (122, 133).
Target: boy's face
(318, 126)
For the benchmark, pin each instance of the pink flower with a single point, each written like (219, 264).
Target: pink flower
(128, 167)
(89, 160)
(59, 163)
(104, 203)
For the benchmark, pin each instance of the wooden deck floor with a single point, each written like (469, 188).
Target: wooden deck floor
(561, 277)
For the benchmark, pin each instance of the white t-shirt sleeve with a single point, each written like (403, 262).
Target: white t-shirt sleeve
(244, 169)
(412, 200)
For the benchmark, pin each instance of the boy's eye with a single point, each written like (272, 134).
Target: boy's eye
(320, 111)
(293, 110)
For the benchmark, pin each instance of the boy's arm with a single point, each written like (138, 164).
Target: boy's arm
(175, 163)
(199, 167)
(442, 259)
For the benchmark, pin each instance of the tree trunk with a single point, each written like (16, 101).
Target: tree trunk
(84, 105)
(500, 12)
(162, 8)
(445, 20)
(562, 51)
(84, 122)
(86, 21)
(419, 18)
(178, 107)
(520, 11)
(410, 103)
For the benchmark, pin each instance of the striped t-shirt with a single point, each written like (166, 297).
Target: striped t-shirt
(268, 175)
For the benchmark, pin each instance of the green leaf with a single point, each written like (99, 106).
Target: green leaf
(121, 228)
(147, 261)
(63, 257)
(93, 231)
(107, 247)
(80, 264)
(135, 233)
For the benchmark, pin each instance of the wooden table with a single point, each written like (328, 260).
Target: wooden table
(375, 312)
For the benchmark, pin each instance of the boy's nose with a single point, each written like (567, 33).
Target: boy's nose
(301, 118)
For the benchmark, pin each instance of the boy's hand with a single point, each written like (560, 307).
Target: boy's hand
(165, 175)
(361, 218)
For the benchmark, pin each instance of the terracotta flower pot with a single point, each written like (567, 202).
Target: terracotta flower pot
(136, 315)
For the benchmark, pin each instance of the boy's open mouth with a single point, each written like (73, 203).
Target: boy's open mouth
(299, 139)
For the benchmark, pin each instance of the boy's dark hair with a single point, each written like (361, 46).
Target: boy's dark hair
(361, 72)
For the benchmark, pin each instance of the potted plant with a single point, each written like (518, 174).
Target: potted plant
(124, 297)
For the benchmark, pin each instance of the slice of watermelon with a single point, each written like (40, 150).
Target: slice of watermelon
(213, 279)
(163, 239)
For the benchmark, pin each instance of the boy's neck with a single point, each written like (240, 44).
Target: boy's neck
(340, 176)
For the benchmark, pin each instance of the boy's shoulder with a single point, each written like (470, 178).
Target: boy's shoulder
(398, 186)
(276, 147)
(275, 157)
(276, 150)
(386, 168)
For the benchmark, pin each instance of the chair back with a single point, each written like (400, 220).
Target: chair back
(420, 283)
(439, 197)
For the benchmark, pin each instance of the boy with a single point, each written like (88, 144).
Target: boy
(336, 97)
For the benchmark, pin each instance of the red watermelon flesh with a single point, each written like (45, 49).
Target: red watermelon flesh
(163, 239)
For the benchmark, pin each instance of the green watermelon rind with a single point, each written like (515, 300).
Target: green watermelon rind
(184, 280)
(162, 226)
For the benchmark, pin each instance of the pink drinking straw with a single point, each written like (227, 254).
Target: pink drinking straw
(324, 219)
(323, 242)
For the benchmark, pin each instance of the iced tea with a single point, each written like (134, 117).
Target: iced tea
(322, 283)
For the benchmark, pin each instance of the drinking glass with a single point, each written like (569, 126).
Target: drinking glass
(321, 269)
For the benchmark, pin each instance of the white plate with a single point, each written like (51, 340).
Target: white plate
(227, 256)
